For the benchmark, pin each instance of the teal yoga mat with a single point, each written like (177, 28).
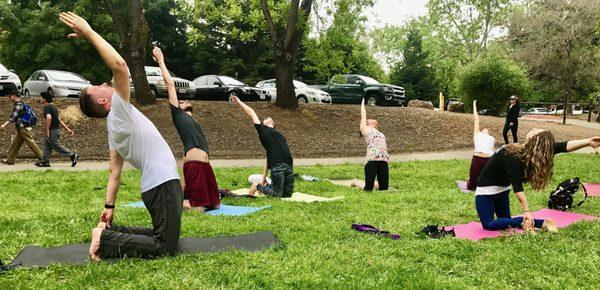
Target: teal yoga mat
(230, 210)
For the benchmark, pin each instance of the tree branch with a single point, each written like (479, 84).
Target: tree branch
(269, 20)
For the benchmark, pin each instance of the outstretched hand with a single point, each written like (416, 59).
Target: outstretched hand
(235, 99)
(80, 26)
(157, 54)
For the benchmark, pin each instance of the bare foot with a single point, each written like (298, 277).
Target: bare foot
(253, 189)
(186, 204)
(95, 244)
(198, 209)
(528, 225)
(101, 225)
(550, 226)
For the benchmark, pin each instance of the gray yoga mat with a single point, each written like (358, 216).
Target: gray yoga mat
(77, 254)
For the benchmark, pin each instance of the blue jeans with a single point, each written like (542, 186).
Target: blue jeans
(499, 204)
(282, 178)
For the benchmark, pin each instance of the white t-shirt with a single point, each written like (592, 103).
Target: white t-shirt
(138, 141)
(491, 190)
(484, 143)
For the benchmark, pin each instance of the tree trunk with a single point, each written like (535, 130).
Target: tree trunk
(129, 20)
(284, 75)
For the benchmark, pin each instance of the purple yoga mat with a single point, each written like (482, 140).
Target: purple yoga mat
(474, 231)
(592, 189)
(462, 185)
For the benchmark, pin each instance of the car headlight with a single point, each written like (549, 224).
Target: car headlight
(161, 83)
(388, 89)
(59, 87)
(309, 92)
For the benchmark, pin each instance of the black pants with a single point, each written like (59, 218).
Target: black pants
(164, 203)
(377, 169)
(513, 129)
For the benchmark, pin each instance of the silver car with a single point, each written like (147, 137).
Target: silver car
(56, 83)
(185, 88)
(8, 81)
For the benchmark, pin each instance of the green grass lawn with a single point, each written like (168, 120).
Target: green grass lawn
(321, 251)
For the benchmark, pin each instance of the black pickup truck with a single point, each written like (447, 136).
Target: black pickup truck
(352, 89)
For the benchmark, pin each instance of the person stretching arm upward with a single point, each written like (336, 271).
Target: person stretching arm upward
(484, 149)
(279, 157)
(133, 138)
(200, 187)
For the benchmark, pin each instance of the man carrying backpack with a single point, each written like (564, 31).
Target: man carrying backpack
(24, 119)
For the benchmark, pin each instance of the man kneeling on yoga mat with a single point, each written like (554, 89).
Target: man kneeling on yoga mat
(133, 138)
(200, 190)
(279, 157)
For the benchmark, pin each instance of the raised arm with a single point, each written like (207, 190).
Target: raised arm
(475, 119)
(160, 59)
(114, 182)
(110, 56)
(246, 109)
(364, 129)
(575, 145)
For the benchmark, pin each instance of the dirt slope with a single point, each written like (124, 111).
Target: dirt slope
(312, 131)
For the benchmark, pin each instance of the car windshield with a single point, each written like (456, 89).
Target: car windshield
(155, 72)
(66, 77)
(230, 81)
(369, 81)
(300, 85)
(3, 69)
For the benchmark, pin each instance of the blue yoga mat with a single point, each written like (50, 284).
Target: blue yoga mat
(232, 210)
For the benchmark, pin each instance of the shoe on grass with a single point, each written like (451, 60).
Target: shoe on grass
(550, 226)
(74, 159)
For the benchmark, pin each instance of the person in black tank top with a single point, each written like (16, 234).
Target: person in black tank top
(200, 188)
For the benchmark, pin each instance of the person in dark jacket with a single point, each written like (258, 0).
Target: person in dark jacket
(514, 165)
(512, 120)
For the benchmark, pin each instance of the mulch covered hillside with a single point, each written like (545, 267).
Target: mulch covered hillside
(312, 131)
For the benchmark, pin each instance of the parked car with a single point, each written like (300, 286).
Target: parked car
(452, 101)
(213, 87)
(352, 89)
(185, 89)
(56, 83)
(535, 111)
(304, 93)
(559, 110)
(8, 81)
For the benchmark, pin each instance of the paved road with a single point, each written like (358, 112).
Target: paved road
(229, 163)
(580, 123)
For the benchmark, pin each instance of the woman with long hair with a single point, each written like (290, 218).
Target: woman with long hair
(513, 165)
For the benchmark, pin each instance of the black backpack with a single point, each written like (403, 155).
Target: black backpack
(562, 197)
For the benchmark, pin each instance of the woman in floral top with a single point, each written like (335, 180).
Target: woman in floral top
(377, 154)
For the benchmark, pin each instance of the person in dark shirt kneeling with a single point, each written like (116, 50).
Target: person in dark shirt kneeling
(513, 165)
(279, 157)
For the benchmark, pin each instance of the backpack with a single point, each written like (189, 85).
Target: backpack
(562, 198)
(28, 116)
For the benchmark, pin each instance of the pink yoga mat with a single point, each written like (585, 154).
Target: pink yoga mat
(592, 189)
(474, 231)
(462, 185)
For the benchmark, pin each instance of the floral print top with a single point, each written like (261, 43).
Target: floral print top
(376, 146)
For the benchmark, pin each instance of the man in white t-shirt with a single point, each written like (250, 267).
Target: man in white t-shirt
(133, 138)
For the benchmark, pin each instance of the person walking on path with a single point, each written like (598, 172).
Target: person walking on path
(512, 120)
(52, 133)
(24, 119)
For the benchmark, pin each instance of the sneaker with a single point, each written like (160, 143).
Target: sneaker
(42, 164)
(550, 226)
(74, 159)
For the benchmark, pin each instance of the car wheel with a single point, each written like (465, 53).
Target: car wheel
(27, 94)
(372, 101)
(302, 100)
(154, 91)
(51, 93)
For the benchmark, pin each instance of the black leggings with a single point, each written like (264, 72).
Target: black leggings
(513, 129)
(379, 169)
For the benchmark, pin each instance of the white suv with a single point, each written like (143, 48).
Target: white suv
(304, 93)
(185, 88)
(8, 81)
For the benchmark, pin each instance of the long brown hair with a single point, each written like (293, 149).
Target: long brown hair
(537, 155)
